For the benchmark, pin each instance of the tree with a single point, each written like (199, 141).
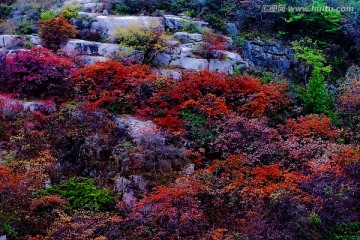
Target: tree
(56, 31)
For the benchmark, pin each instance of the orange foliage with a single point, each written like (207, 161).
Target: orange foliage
(310, 126)
(56, 31)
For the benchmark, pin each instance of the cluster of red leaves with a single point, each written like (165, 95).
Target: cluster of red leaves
(110, 82)
(36, 73)
(310, 126)
(215, 95)
(56, 31)
(212, 45)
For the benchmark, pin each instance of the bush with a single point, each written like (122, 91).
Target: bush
(47, 15)
(315, 96)
(319, 24)
(36, 73)
(148, 41)
(82, 194)
(70, 11)
(113, 85)
(56, 31)
(5, 11)
(212, 45)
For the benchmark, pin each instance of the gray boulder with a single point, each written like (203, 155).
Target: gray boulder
(109, 24)
(175, 23)
(269, 54)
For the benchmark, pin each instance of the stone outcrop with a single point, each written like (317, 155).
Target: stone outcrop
(108, 25)
(176, 23)
(274, 55)
(182, 54)
(18, 41)
(91, 52)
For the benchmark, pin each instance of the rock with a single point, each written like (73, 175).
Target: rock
(231, 29)
(17, 41)
(175, 23)
(109, 24)
(171, 73)
(134, 181)
(217, 65)
(121, 184)
(194, 63)
(90, 52)
(269, 54)
(7, 104)
(6, 40)
(189, 169)
(197, 37)
(88, 60)
(82, 47)
(185, 37)
(137, 129)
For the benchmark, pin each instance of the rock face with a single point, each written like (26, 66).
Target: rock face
(91, 52)
(269, 54)
(12, 105)
(175, 23)
(181, 54)
(17, 41)
(108, 25)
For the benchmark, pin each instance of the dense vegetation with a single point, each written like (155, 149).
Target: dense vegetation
(112, 150)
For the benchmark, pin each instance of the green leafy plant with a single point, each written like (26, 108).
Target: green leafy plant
(70, 11)
(82, 194)
(347, 231)
(150, 41)
(315, 95)
(47, 15)
(318, 23)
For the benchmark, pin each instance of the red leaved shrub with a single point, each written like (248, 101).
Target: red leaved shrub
(56, 31)
(37, 73)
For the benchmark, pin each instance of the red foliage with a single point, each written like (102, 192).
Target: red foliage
(36, 73)
(212, 44)
(110, 82)
(9, 180)
(310, 126)
(56, 31)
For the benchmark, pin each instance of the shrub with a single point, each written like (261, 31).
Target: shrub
(148, 41)
(212, 44)
(47, 15)
(56, 31)
(82, 194)
(5, 11)
(111, 84)
(36, 73)
(319, 24)
(315, 96)
(70, 11)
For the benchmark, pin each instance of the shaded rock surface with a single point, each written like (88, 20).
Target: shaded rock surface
(274, 55)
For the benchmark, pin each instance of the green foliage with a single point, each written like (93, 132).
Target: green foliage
(148, 41)
(195, 122)
(122, 9)
(5, 11)
(320, 24)
(191, 27)
(315, 95)
(47, 15)
(307, 50)
(348, 231)
(26, 26)
(315, 219)
(70, 11)
(82, 194)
